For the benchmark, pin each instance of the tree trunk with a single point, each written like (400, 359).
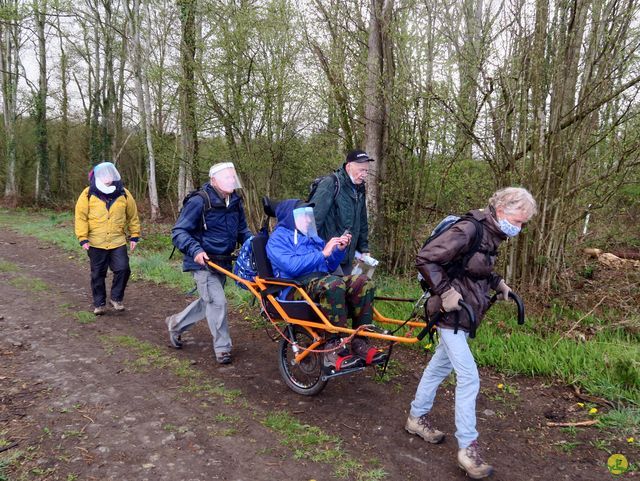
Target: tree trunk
(469, 63)
(62, 149)
(43, 184)
(144, 105)
(379, 76)
(189, 134)
(10, 63)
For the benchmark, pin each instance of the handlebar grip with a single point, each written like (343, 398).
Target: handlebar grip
(516, 298)
(467, 307)
(436, 317)
(434, 320)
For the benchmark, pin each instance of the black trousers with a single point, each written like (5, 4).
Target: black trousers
(118, 261)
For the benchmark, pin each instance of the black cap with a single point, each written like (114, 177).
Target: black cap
(358, 156)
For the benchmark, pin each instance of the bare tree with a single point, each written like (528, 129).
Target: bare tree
(62, 146)
(144, 104)
(43, 182)
(377, 98)
(188, 124)
(9, 63)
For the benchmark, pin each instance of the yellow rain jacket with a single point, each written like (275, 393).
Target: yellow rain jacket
(106, 229)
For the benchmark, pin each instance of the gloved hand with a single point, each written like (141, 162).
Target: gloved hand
(503, 291)
(450, 299)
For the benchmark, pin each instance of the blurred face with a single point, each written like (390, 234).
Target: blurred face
(225, 180)
(305, 221)
(358, 171)
(517, 218)
(105, 176)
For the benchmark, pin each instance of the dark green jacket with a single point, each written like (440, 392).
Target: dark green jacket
(348, 211)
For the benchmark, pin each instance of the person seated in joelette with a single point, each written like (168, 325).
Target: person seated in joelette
(296, 252)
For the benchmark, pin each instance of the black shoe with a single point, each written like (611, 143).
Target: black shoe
(223, 358)
(175, 340)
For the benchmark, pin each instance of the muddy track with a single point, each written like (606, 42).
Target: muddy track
(77, 404)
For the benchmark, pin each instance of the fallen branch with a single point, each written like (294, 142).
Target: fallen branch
(8, 447)
(593, 399)
(577, 423)
(575, 324)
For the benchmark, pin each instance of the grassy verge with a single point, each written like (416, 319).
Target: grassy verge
(606, 364)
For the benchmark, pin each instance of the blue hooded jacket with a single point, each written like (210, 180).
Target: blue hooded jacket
(226, 227)
(293, 260)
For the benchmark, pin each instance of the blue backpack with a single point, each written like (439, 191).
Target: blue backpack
(245, 266)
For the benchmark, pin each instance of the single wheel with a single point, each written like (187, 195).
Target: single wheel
(305, 377)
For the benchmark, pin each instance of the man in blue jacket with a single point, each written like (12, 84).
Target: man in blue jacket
(210, 226)
(296, 252)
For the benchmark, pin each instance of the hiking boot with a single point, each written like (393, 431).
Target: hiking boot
(360, 347)
(223, 358)
(338, 358)
(423, 428)
(99, 310)
(174, 336)
(175, 339)
(117, 306)
(469, 459)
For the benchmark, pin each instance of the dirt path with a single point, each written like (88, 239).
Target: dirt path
(109, 400)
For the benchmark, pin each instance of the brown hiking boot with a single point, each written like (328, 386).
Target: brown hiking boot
(469, 459)
(423, 428)
(117, 305)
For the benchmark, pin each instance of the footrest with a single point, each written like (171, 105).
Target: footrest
(328, 373)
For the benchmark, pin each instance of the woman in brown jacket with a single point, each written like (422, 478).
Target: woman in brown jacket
(470, 281)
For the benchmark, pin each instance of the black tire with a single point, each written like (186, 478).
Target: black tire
(304, 378)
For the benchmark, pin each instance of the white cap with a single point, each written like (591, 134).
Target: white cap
(220, 166)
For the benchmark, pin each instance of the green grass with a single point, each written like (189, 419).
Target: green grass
(606, 365)
(8, 459)
(6, 266)
(310, 442)
(85, 317)
(29, 284)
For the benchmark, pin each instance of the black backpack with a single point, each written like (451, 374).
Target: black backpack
(207, 207)
(207, 203)
(314, 186)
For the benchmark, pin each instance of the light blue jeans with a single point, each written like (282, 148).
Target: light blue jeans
(452, 353)
(212, 304)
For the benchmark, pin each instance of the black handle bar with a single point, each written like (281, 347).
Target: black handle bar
(517, 299)
(436, 317)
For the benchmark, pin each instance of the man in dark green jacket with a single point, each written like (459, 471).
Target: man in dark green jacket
(342, 206)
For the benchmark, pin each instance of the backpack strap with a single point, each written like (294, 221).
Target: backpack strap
(336, 185)
(207, 205)
(458, 266)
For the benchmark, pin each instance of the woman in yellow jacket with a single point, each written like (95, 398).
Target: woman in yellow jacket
(106, 213)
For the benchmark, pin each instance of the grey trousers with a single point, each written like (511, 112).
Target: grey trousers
(212, 304)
